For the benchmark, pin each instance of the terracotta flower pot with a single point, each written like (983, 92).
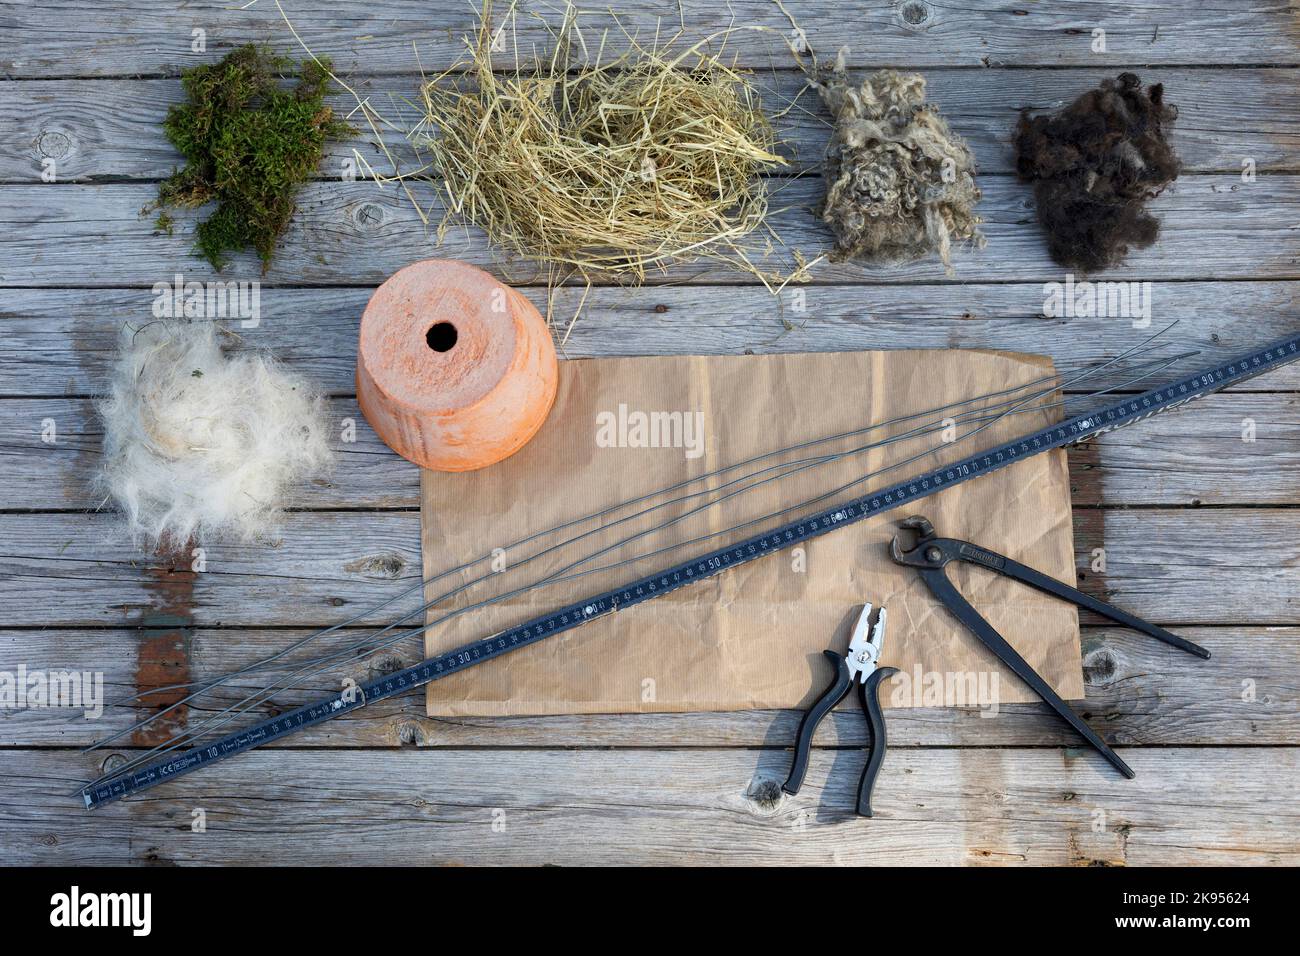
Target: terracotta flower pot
(455, 370)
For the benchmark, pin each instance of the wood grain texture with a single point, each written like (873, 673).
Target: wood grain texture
(74, 38)
(1214, 742)
(72, 569)
(933, 806)
(1213, 227)
(1192, 455)
(1179, 565)
(61, 341)
(1139, 693)
(112, 129)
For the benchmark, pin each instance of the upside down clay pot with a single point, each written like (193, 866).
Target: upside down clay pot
(455, 370)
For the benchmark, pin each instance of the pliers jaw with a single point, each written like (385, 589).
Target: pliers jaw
(926, 551)
(865, 645)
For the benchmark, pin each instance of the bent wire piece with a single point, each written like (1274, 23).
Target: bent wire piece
(931, 554)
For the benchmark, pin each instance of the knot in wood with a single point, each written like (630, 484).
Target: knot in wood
(1099, 667)
(54, 144)
(410, 734)
(915, 13)
(369, 216)
(111, 763)
(386, 565)
(764, 794)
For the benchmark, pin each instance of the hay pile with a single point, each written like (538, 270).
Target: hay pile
(1094, 166)
(203, 445)
(606, 169)
(899, 183)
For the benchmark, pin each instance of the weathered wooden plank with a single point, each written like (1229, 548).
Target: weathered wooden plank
(95, 129)
(1228, 449)
(73, 38)
(1192, 566)
(1139, 693)
(39, 473)
(1198, 566)
(948, 805)
(1222, 447)
(357, 234)
(61, 341)
(669, 807)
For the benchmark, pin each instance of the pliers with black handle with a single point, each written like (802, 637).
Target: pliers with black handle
(858, 667)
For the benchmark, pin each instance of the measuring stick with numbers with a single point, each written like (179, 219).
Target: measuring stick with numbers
(1071, 431)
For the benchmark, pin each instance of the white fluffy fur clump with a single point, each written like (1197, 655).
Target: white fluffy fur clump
(203, 445)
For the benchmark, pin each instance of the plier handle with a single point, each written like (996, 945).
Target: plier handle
(930, 554)
(858, 667)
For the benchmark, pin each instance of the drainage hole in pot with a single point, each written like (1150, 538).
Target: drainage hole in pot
(441, 336)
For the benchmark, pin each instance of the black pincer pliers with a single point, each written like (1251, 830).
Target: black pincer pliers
(931, 554)
(857, 667)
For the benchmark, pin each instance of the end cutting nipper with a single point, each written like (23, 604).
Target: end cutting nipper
(930, 554)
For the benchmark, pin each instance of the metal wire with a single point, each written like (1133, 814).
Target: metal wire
(555, 577)
(555, 529)
(571, 523)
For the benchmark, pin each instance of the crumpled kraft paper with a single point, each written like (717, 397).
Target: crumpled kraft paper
(752, 636)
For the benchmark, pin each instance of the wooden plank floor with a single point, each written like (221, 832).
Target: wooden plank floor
(1215, 745)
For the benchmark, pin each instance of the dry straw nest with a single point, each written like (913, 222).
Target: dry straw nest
(610, 168)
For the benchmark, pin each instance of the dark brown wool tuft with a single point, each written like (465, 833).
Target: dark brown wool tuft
(1094, 166)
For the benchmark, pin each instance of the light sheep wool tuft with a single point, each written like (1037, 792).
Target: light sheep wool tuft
(900, 183)
(203, 445)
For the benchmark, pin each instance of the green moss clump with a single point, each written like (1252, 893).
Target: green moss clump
(249, 142)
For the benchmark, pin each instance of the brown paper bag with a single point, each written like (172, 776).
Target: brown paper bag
(752, 636)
